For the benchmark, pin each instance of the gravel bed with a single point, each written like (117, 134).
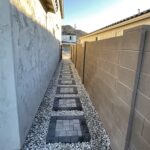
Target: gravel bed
(36, 138)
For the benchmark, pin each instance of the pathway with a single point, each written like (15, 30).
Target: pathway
(66, 119)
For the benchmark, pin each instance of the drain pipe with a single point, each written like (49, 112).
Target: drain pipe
(135, 90)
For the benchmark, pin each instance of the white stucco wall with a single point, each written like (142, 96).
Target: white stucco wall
(30, 54)
(9, 127)
(69, 38)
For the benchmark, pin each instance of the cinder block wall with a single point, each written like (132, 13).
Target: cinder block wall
(80, 60)
(31, 52)
(74, 54)
(140, 139)
(111, 77)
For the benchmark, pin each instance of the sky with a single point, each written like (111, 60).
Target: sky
(90, 15)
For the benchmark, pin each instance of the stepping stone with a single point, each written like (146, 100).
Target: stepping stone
(66, 69)
(66, 90)
(68, 129)
(66, 82)
(65, 72)
(66, 76)
(67, 103)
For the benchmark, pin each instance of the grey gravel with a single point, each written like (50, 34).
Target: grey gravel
(36, 138)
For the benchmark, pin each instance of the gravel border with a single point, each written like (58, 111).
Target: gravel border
(36, 138)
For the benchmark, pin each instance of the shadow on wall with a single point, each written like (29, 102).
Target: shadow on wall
(36, 55)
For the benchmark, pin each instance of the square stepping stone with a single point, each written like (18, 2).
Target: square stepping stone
(68, 129)
(66, 82)
(66, 76)
(66, 72)
(66, 90)
(65, 66)
(67, 103)
(66, 69)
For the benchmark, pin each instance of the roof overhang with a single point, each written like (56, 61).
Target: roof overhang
(61, 2)
(48, 5)
(135, 18)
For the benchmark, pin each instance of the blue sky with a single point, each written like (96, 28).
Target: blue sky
(90, 15)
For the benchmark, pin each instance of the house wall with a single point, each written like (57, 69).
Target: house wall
(9, 127)
(116, 76)
(116, 30)
(69, 38)
(32, 39)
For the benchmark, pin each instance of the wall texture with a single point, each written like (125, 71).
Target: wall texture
(31, 57)
(80, 60)
(111, 76)
(74, 54)
(9, 128)
(140, 139)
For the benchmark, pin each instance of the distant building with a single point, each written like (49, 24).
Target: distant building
(117, 28)
(68, 40)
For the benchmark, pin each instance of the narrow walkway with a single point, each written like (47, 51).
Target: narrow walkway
(66, 119)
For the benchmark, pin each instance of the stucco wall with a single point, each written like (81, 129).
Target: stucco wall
(36, 55)
(9, 127)
(30, 56)
(69, 38)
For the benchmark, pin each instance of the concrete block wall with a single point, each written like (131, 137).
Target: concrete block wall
(30, 52)
(140, 139)
(111, 76)
(80, 60)
(74, 54)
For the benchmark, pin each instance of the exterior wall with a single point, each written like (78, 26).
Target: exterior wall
(9, 128)
(30, 55)
(66, 38)
(111, 76)
(116, 30)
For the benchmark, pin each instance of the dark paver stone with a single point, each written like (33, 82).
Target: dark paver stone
(66, 82)
(66, 90)
(74, 138)
(57, 107)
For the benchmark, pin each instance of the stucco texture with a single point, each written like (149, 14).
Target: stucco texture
(30, 54)
(36, 55)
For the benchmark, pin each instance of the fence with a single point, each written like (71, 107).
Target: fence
(116, 74)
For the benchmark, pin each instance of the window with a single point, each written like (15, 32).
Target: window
(70, 38)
